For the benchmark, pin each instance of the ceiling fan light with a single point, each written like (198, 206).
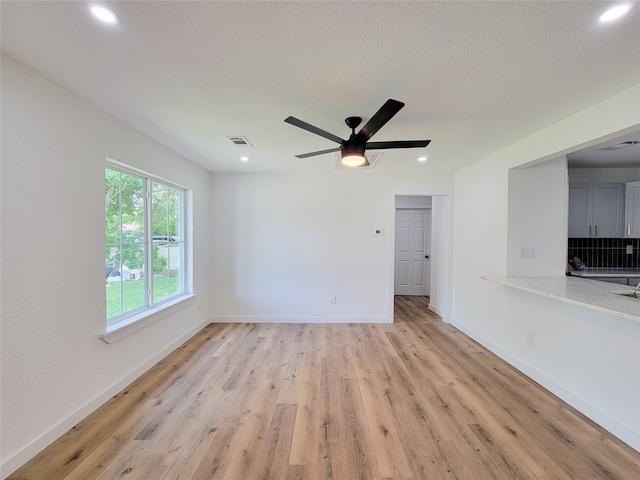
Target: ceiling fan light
(353, 154)
(354, 159)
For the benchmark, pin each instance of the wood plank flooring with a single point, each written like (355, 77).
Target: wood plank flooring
(413, 400)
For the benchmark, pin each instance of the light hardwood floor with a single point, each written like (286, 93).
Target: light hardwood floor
(412, 400)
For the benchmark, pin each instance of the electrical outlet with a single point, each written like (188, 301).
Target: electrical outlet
(629, 249)
(530, 339)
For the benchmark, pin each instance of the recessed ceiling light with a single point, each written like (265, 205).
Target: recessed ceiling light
(244, 159)
(615, 12)
(422, 159)
(105, 14)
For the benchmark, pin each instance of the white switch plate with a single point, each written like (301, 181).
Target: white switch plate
(527, 252)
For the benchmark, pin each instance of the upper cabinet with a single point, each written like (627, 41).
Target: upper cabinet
(580, 210)
(597, 210)
(632, 210)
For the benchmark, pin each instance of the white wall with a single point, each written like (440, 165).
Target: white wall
(440, 298)
(284, 244)
(55, 368)
(590, 359)
(413, 201)
(537, 219)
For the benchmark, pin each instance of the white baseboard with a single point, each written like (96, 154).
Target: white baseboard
(605, 421)
(434, 309)
(440, 313)
(242, 319)
(15, 461)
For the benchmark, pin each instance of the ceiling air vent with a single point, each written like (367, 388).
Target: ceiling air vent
(372, 158)
(618, 146)
(241, 141)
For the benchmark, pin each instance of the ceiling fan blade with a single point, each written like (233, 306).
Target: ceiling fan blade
(397, 144)
(320, 152)
(313, 129)
(375, 123)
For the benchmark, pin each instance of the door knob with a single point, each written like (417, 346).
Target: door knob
(426, 256)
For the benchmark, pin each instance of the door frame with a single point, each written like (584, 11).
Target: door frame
(441, 251)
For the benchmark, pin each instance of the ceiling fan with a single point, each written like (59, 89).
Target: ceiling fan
(352, 150)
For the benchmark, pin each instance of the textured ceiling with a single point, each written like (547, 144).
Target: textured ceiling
(475, 76)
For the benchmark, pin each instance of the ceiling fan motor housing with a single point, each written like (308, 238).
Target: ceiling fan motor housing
(353, 153)
(352, 148)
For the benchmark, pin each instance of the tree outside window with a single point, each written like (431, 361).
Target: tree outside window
(144, 245)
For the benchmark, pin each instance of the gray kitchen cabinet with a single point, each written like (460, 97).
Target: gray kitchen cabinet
(596, 210)
(632, 210)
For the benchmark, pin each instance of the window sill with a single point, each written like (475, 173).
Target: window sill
(134, 323)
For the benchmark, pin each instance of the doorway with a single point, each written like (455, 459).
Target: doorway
(440, 202)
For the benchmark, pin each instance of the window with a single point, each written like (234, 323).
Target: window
(144, 243)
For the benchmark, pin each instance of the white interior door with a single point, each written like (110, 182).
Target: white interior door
(413, 248)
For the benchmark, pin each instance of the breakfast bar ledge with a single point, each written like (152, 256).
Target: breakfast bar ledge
(593, 294)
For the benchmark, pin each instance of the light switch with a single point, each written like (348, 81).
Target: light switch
(377, 231)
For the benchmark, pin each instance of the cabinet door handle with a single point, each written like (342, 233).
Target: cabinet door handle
(628, 230)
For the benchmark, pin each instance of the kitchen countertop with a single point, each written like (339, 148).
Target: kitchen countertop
(590, 294)
(607, 272)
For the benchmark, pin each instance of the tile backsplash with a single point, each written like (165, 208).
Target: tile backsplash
(606, 252)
